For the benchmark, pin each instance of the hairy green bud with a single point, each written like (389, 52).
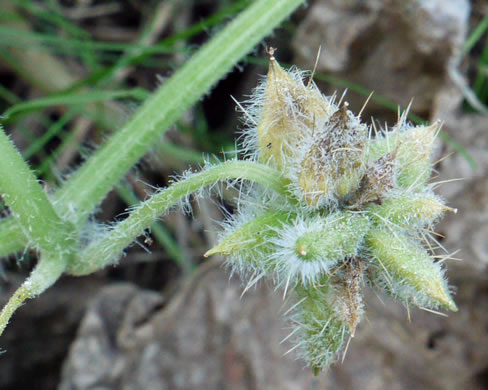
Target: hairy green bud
(313, 246)
(321, 333)
(413, 209)
(414, 147)
(409, 273)
(336, 237)
(249, 242)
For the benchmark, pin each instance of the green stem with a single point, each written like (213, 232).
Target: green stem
(107, 249)
(85, 189)
(157, 229)
(10, 239)
(47, 271)
(28, 203)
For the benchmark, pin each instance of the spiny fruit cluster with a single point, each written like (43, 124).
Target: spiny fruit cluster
(359, 211)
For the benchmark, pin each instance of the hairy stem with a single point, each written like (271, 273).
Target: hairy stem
(157, 229)
(107, 249)
(47, 271)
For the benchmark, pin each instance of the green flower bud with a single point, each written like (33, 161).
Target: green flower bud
(415, 146)
(408, 272)
(321, 332)
(247, 244)
(409, 209)
(337, 237)
(312, 247)
(289, 112)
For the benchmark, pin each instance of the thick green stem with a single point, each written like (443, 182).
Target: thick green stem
(215, 59)
(47, 271)
(107, 250)
(10, 239)
(28, 203)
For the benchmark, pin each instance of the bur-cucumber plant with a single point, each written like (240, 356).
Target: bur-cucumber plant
(327, 208)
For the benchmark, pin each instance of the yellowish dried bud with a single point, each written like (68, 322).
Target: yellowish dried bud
(290, 111)
(333, 166)
(379, 178)
(349, 300)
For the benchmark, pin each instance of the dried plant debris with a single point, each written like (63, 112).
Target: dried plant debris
(359, 210)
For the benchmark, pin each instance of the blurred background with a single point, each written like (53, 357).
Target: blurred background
(166, 318)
